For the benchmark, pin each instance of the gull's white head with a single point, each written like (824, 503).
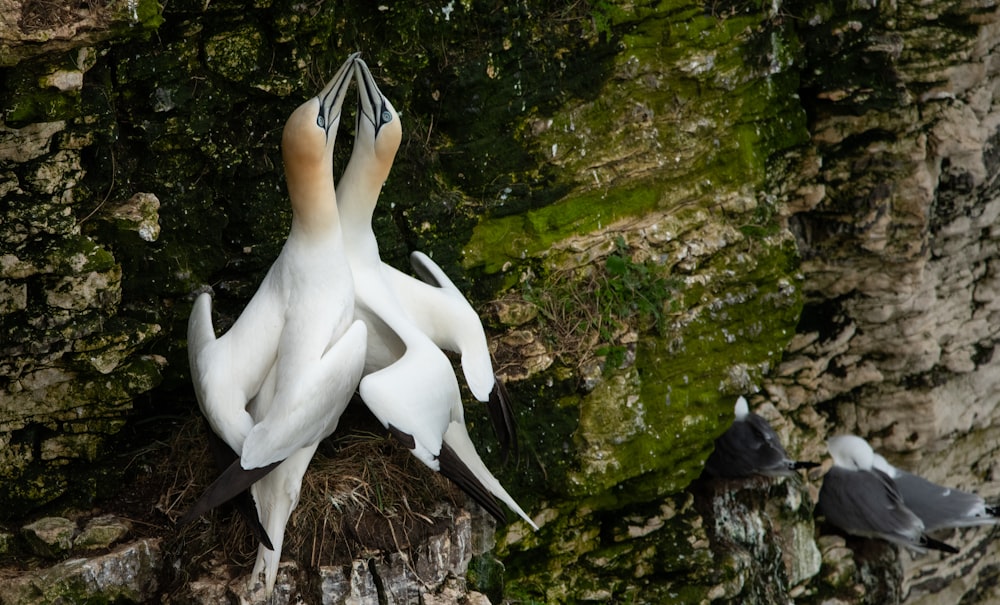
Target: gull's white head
(741, 409)
(851, 452)
(883, 465)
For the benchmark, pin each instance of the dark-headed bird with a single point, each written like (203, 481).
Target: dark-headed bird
(750, 447)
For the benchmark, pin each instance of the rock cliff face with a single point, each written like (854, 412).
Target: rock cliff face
(896, 228)
(70, 361)
(656, 207)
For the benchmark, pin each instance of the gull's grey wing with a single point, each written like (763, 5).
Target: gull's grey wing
(938, 506)
(867, 503)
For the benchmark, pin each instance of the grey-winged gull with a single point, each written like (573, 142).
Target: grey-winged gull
(937, 506)
(750, 447)
(864, 501)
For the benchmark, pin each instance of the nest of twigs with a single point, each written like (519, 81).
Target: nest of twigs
(363, 493)
(37, 15)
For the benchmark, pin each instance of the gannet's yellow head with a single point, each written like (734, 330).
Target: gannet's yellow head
(379, 131)
(307, 143)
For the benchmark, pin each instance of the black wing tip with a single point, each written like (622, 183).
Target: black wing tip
(454, 469)
(233, 483)
(929, 542)
(405, 438)
(256, 528)
(248, 510)
(502, 418)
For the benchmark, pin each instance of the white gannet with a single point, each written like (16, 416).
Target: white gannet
(409, 384)
(937, 506)
(864, 501)
(750, 447)
(227, 371)
(277, 493)
(441, 311)
(320, 350)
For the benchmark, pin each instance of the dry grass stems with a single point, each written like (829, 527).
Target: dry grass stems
(363, 494)
(37, 15)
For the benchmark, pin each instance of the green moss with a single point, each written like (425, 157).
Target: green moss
(7, 542)
(149, 13)
(650, 552)
(661, 418)
(236, 54)
(643, 125)
(28, 490)
(507, 239)
(485, 574)
(107, 349)
(31, 98)
(75, 255)
(644, 432)
(54, 456)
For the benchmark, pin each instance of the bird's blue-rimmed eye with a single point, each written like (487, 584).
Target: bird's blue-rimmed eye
(386, 116)
(321, 121)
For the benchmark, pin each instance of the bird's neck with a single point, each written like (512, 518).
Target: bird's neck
(356, 212)
(314, 207)
(358, 192)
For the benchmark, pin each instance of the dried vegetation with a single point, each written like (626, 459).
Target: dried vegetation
(363, 493)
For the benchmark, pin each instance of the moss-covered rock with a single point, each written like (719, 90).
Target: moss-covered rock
(608, 181)
(31, 28)
(49, 536)
(125, 575)
(671, 158)
(101, 532)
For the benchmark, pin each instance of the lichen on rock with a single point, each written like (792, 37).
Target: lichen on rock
(49, 536)
(128, 574)
(69, 370)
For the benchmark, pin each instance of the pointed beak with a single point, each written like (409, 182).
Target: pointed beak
(374, 106)
(331, 98)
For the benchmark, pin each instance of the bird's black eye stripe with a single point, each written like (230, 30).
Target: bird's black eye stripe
(321, 120)
(382, 114)
(372, 102)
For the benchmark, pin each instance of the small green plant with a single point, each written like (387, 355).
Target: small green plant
(600, 15)
(635, 290)
(588, 310)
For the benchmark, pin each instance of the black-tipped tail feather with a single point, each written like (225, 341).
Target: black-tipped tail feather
(453, 468)
(224, 457)
(929, 542)
(232, 483)
(502, 418)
